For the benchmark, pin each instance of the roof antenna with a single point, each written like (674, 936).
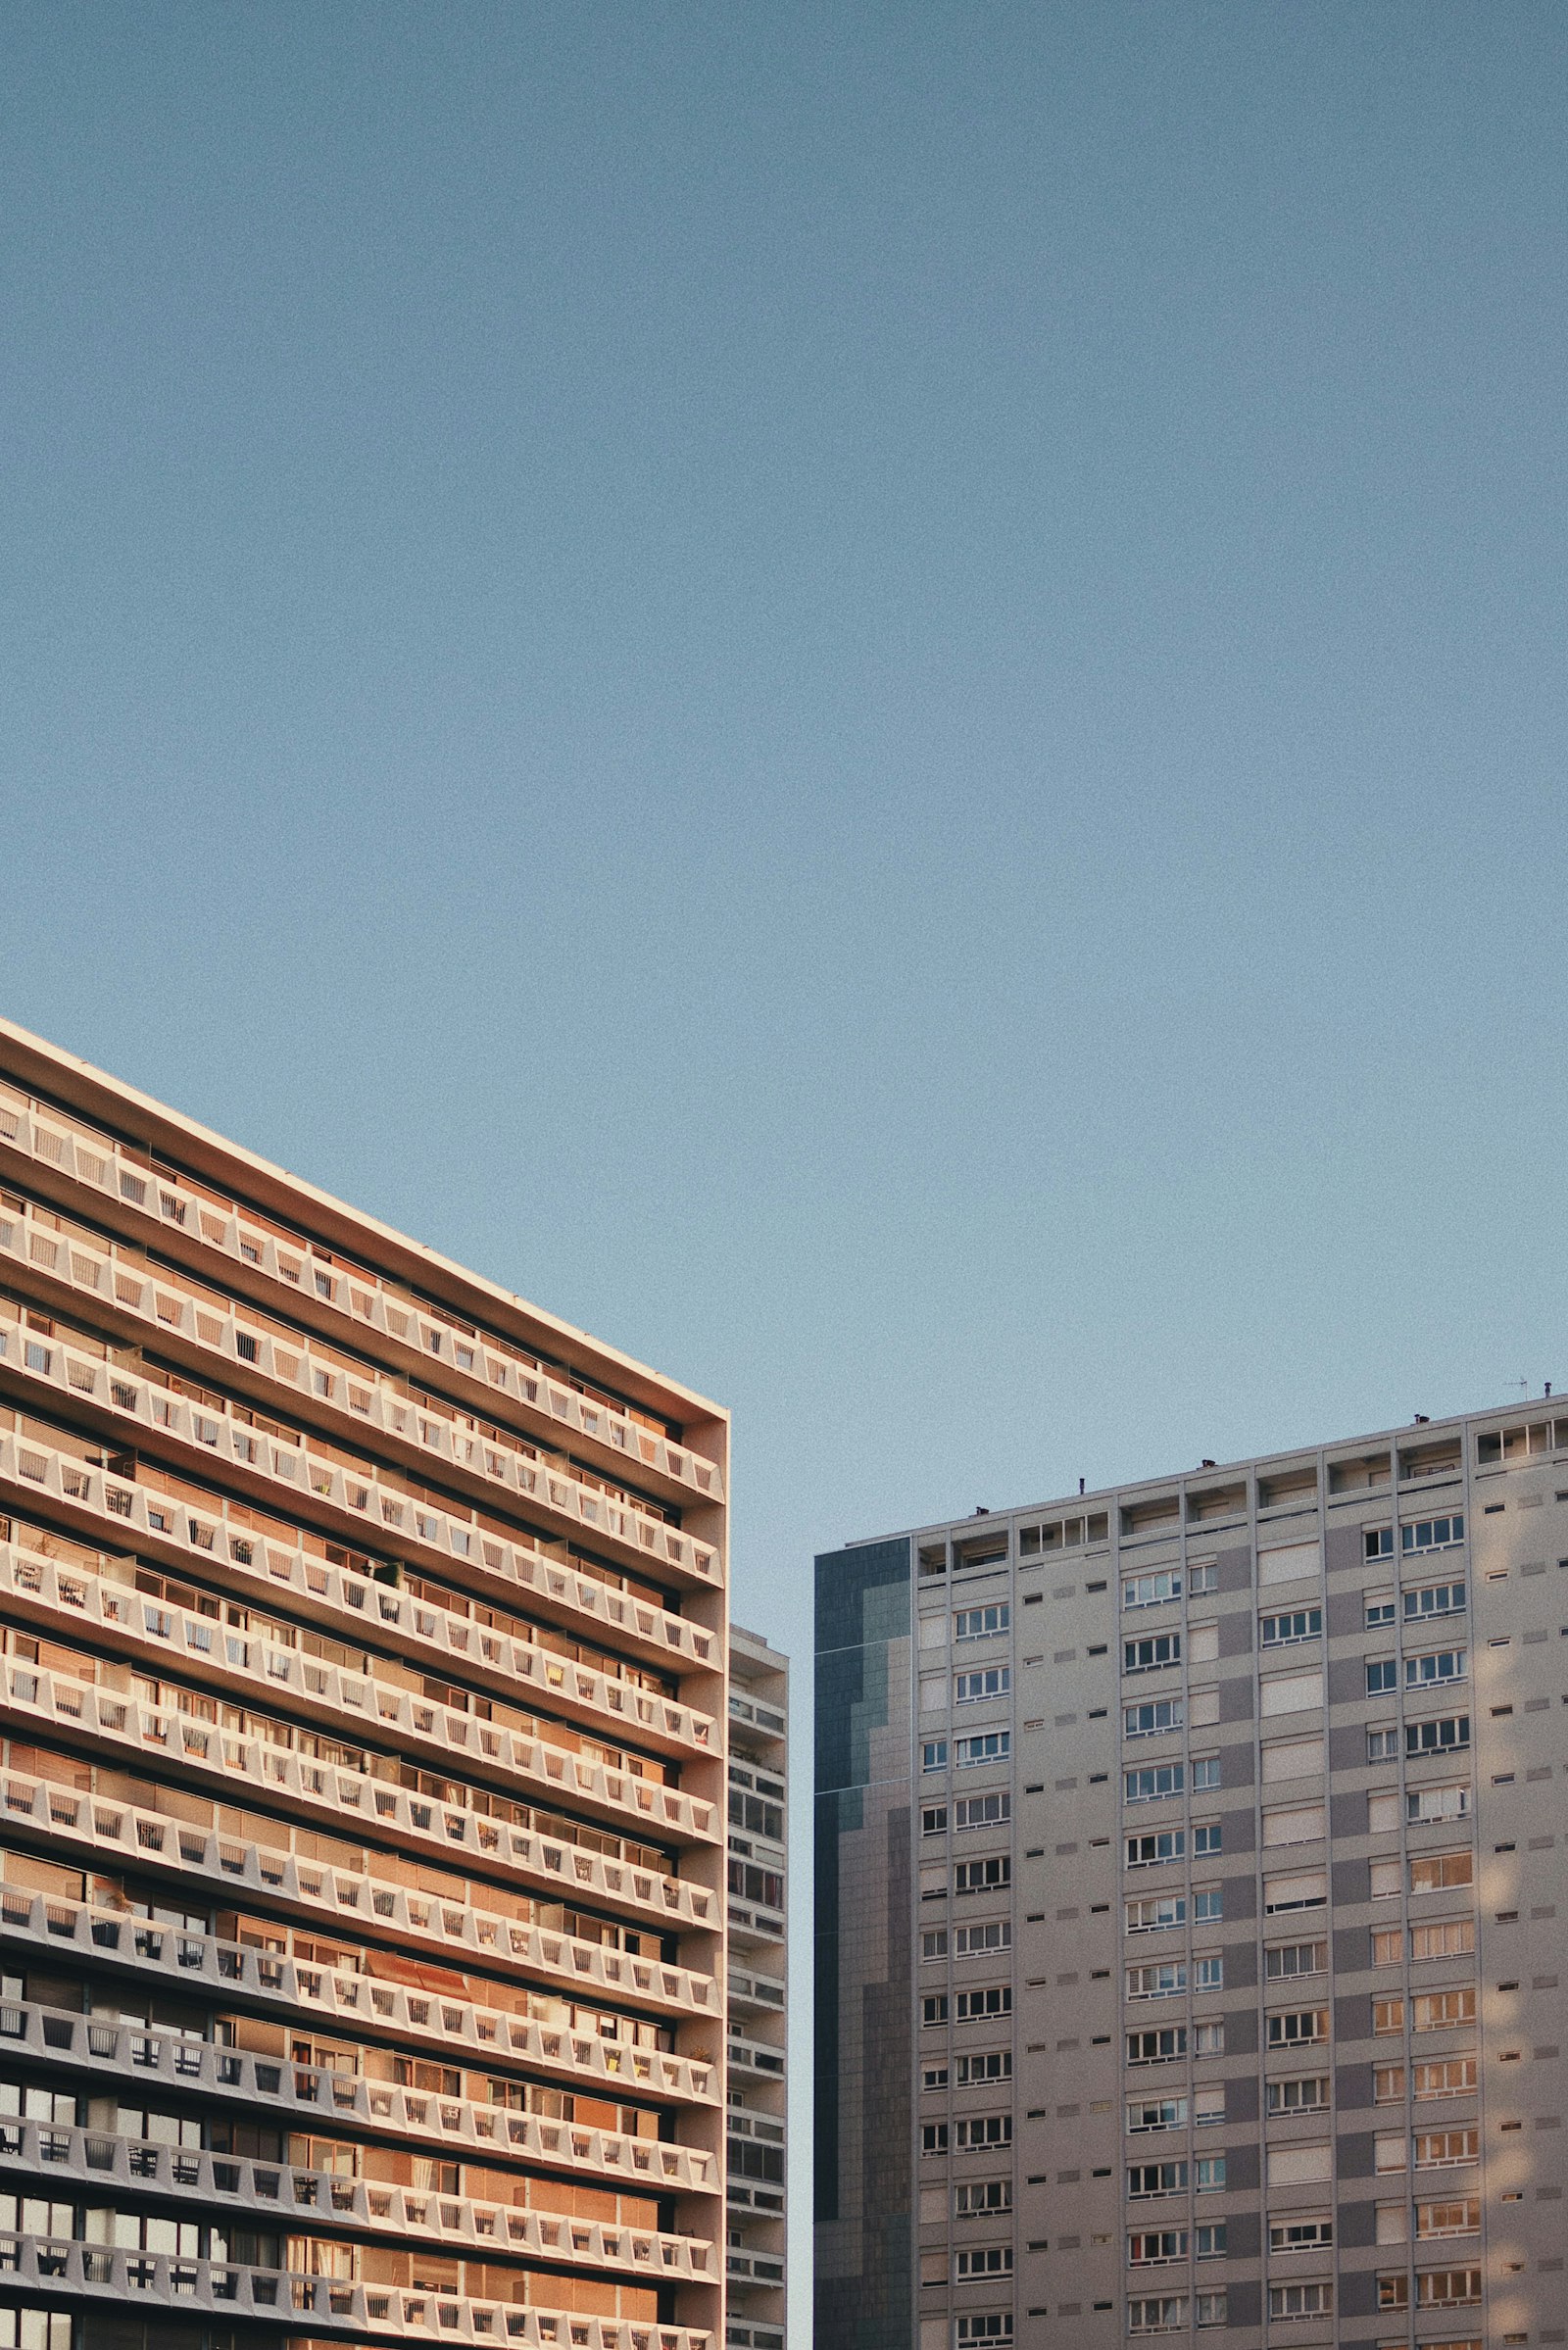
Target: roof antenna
(1080, 1485)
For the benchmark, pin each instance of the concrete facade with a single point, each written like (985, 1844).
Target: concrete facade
(759, 2016)
(363, 1790)
(1189, 1899)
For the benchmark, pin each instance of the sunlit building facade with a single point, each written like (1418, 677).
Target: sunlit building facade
(1190, 1898)
(363, 1868)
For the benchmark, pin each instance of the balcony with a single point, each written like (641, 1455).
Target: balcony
(287, 2195)
(193, 1525)
(745, 2334)
(167, 1213)
(141, 2281)
(753, 2267)
(451, 1931)
(755, 2058)
(58, 1597)
(755, 1927)
(298, 1462)
(750, 1714)
(747, 1988)
(305, 2097)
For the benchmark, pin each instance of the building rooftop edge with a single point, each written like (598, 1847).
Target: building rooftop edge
(1428, 1429)
(173, 1131)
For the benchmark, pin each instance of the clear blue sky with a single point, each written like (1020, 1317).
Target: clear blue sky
(873, 696)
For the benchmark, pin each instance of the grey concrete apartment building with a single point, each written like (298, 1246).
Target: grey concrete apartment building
(755, 2208)
(1189, 1905)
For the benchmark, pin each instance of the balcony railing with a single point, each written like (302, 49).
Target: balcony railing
(360, 1298)
(748, 1988)
(73, 1603)
(295, 2197)
(202, 1526)
(753, 1715)
(282, 2297)
(305, 2097)
(448, 1928)
(754, 2056)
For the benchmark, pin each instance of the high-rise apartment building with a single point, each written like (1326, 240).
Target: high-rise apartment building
(759, 1756)
(1190, 1902)
(363, 1800)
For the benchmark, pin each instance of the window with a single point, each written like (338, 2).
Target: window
(1152, 1716)
(1437, 1872)
(985, 1746)
(1152, 1652)
(983, 2325)
(980, 1623)
(1156, 2046)
(1303, 1888)
(1208, 1903)
(1301, 2300)
(1382, 1744)
(983, 2130)
(1438, 1665)
(1206, 1838)
(934, 2010)
(1445, 1734)
(1445, 2076)
(1205, 1772)
(1461, 2215)
(934, 1755)
(1149, 2247)
(933, 2138)
(1382, 1673)
(1287, 1960)
(1155, 1781)
(1295, 1824)
(1440, 2011)
(1455, 1938)
(980, 1942)
(1447, 2288)
(986, 2260)
(1388, 2016)
(1308, 2094)
(976, 2007)
(1435, 1600)
(987, 1876)
(1208, 2039)
(1208, 2174)
(1296, 2028)
(1208, 2240)
(933, 1944)
(1432, 1534)
(983, 1684)
(1147, 2178)
(978, 2198)
(1203, 1579)
(1155, 1845)
(1294, 1623)
(934, 2076)
(1211, 2309)
(1162, 2312)
(1388, 1947)
(996, 2064)
(1161, 1980)
(1209, 2106)
(1387, 2085)
(1438, 1803)
(1394, 2293)
(983, 1811)
(933, 1819)
(1290, 1693)
(1379, 1611)
(1154, 1910)
(1436, 2149)
(1148, 1591)
(1378, 1541)
(1158, 2113)
(1208, 1975)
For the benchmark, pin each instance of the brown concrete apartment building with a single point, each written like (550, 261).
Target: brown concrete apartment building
(363, 1782)
(1190, 1909)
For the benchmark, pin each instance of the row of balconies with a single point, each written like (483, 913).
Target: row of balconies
(455, 1930)
(223, 2289)
(172, 1209)
(200, 1525)
(350, 1801)
(586, 1692)
(294, 2198)
(75, 1367)
(309, 2097)
(352, 1705)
